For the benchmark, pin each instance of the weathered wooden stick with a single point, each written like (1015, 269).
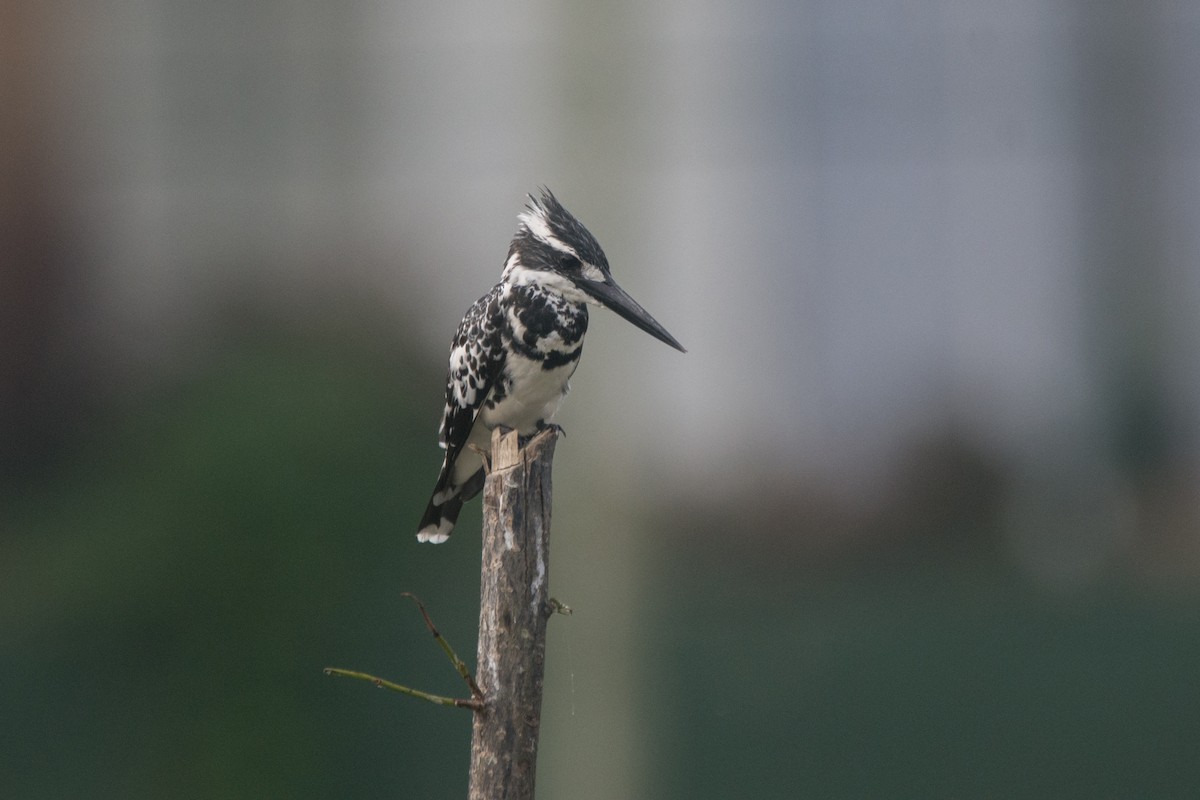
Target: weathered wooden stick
(514, 608)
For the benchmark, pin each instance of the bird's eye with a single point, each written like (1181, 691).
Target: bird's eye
(568, 262)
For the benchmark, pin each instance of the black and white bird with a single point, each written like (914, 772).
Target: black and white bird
(518, 345)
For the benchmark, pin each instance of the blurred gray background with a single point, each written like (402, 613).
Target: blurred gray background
(918, 515)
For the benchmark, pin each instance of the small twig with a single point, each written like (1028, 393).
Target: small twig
(445, 645)
(476, 702)
(472, 703)
(559, 607)
(486, 455)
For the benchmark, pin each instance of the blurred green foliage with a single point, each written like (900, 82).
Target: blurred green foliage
(171, 595)
(941, 679)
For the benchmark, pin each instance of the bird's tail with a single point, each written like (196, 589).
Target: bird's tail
(442, 512)
(438, 522)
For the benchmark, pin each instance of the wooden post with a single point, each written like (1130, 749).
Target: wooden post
(514, 608)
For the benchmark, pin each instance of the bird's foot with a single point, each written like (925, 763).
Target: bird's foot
(559, 431)
(541, 427)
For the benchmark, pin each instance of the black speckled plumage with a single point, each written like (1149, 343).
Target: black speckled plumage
(516, 348)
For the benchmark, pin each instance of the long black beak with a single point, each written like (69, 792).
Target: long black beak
(613, 297)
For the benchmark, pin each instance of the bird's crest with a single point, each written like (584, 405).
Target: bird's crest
(548, 220)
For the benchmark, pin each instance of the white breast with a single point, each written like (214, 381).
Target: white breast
(534, 396)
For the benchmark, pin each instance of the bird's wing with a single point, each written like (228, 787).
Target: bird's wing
(476, 360)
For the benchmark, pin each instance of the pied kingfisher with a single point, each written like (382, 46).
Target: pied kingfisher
(517, 347)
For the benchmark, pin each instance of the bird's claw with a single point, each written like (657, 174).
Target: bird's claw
(559, 431)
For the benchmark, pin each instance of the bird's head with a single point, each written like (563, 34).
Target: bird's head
(553, 250)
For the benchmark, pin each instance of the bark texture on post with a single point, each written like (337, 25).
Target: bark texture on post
(514, 607)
